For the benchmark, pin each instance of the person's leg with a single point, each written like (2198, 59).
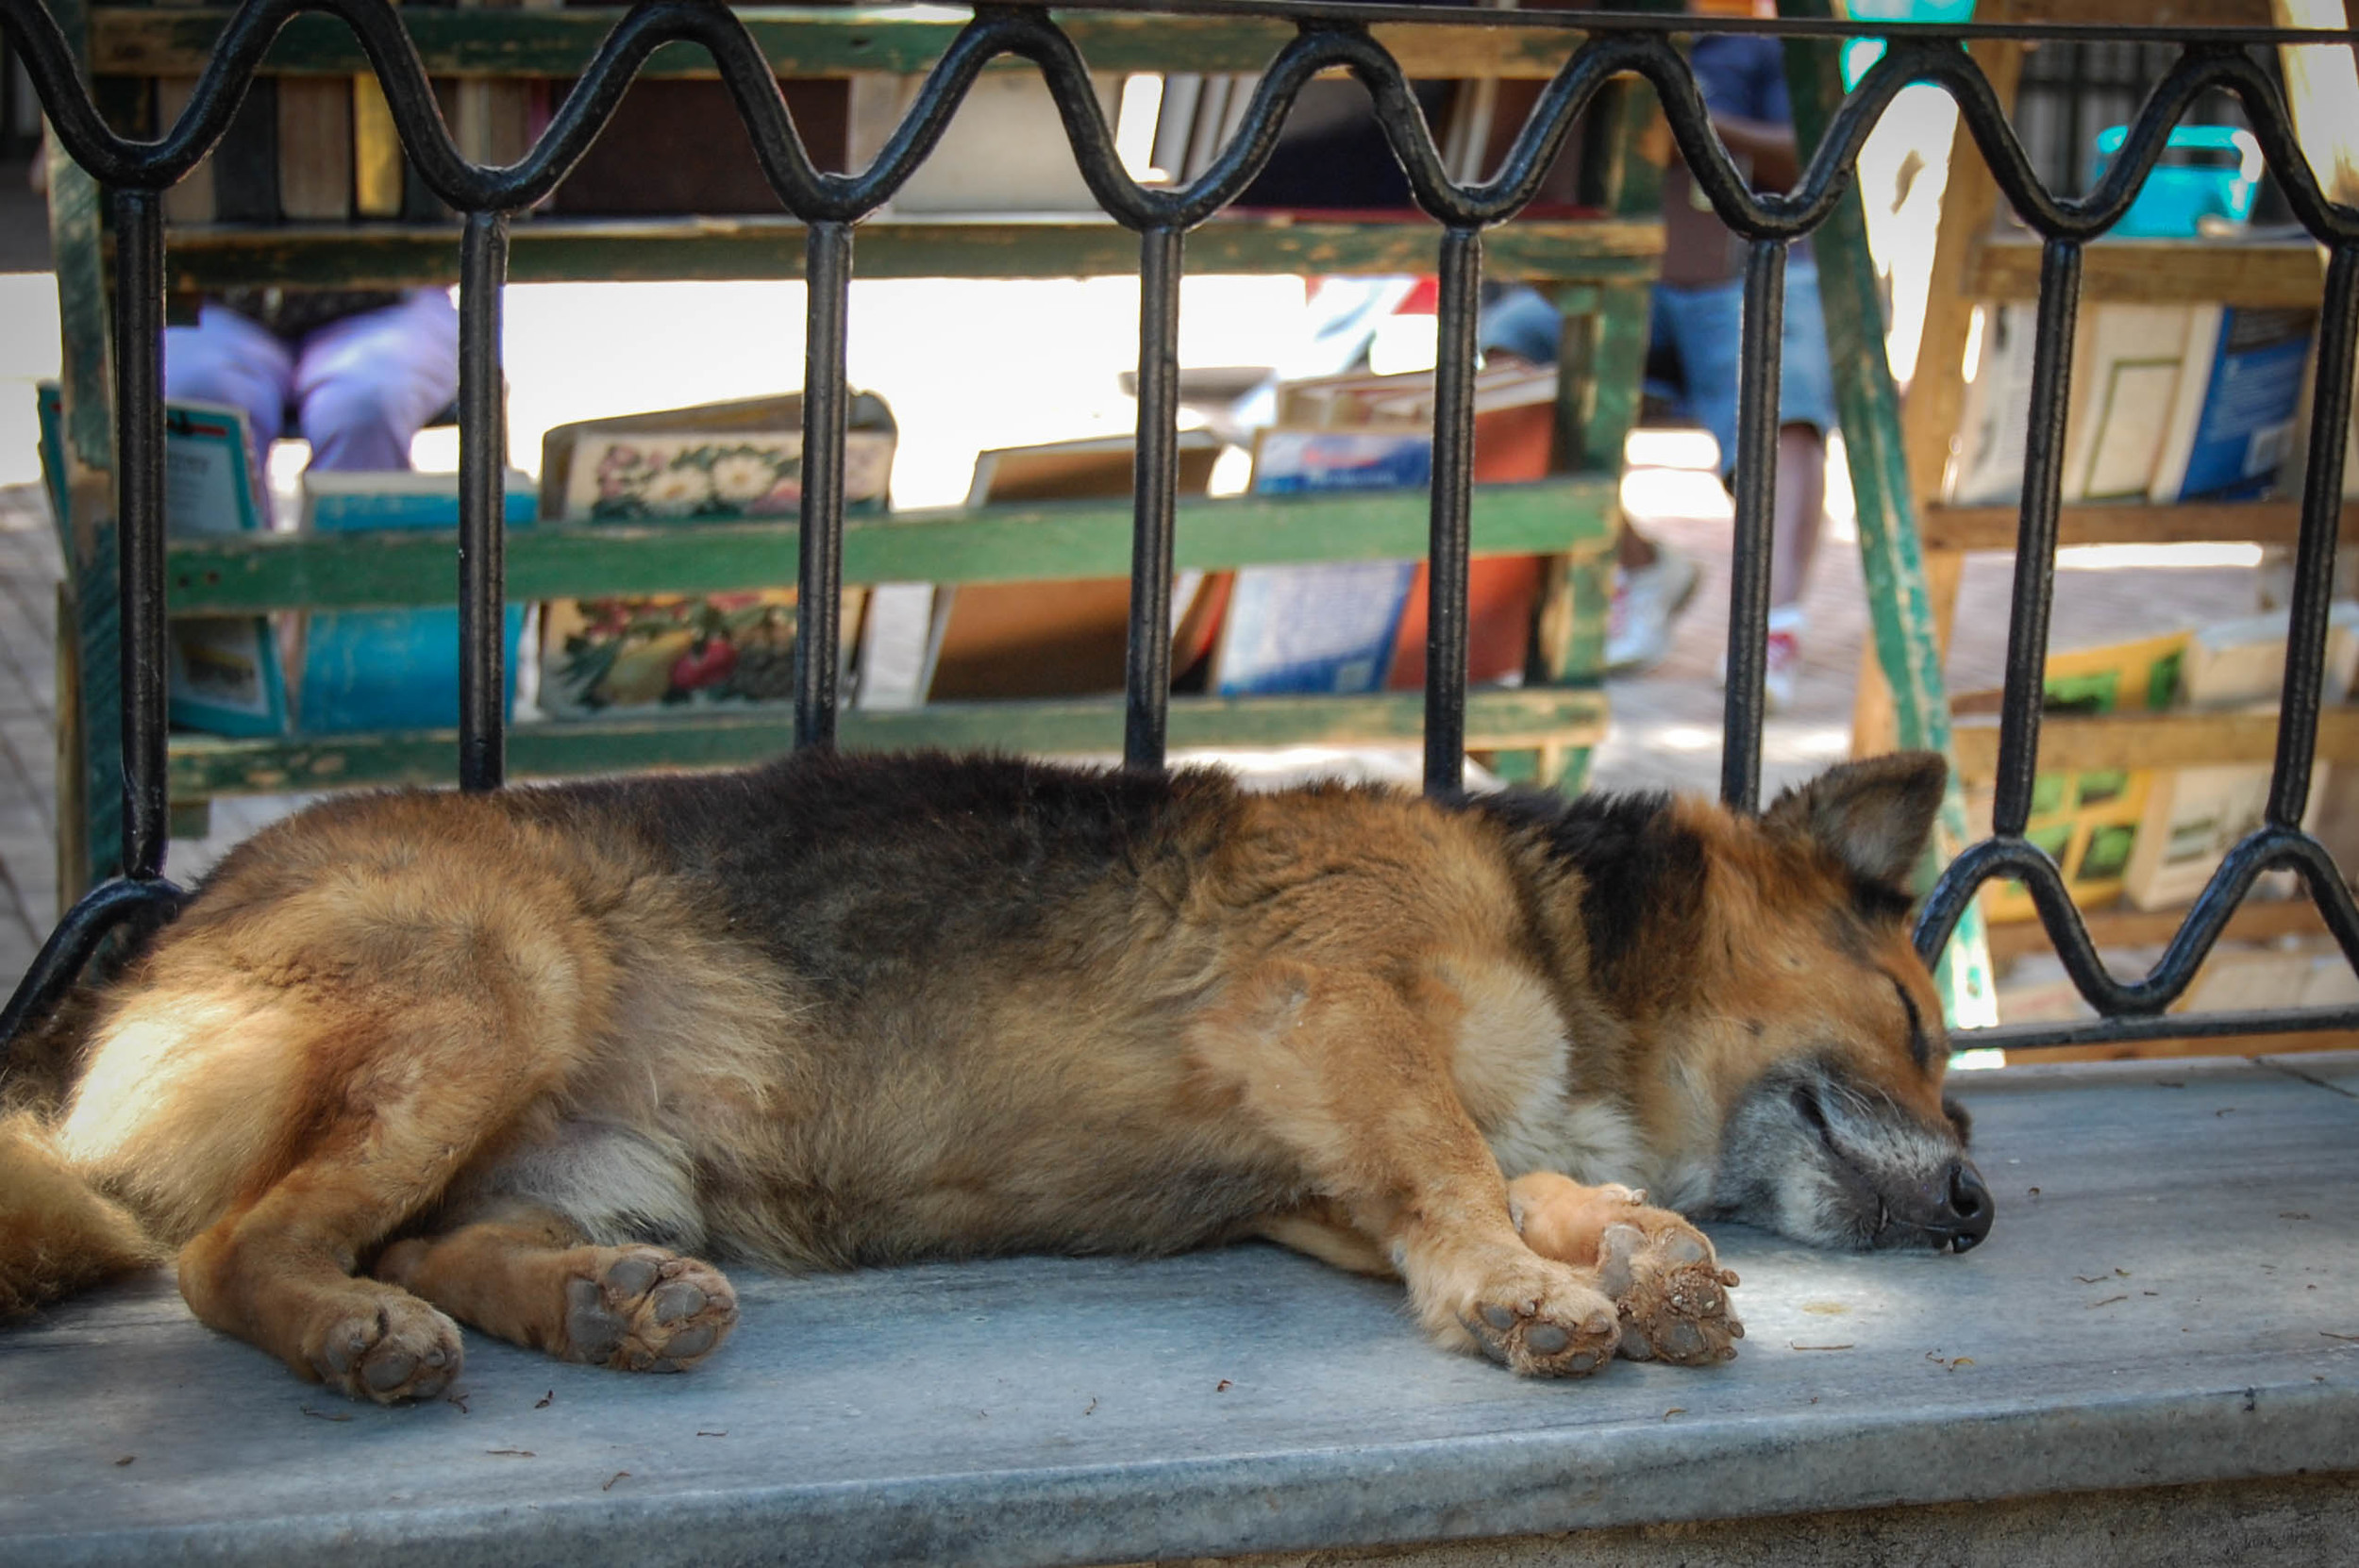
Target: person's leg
(1524, 322)
(1708, 325)
(1654, 581)
(1806, 408)
(365, 385)
(226, 359)
(1801, 511)
(1634, 551)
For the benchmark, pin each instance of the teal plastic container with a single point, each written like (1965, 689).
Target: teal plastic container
(1861, 53)
(2218, 181)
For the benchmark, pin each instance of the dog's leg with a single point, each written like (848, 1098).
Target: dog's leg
(1668, 1289)
(1351, 1074)
(1321, 1230)
(526, 1275)
(397, 1107)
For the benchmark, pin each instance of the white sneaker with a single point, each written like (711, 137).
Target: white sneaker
(1646, 602)
(1782, 666)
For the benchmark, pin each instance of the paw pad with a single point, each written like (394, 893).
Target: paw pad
(393, 1351)
(1668, 1290)
(1557, 1333)
(648, 1312)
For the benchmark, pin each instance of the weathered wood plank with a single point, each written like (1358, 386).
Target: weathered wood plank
(1904, 636)
(1531, 716)
(798, 43)
(2131, 13)
(90, 758)
(2157, 272)
(1937, 396)
(2069, 744)
(549, 251)
(2208, 1045)
(1948, 527)
(2322, 89)
(242, 575)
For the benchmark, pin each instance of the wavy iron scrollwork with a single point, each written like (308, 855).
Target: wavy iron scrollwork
(1338, 36)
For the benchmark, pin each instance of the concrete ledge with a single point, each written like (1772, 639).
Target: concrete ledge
(2171, 1298)
(2251, 1523)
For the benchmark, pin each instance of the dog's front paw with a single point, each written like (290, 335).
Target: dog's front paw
(647, 1310)
(1668, 1290)
(391, 1349)
(1541, 1321)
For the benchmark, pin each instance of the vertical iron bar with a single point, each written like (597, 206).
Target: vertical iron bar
(1447, 541)
(1154, 483)
(482, 505)
(2313, 552)
(819, 574)
(1761, 336)
(2036, 534)
(140, 523)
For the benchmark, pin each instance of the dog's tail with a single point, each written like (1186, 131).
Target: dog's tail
(58, 1234)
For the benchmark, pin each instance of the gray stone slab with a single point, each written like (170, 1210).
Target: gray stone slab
(2335, 1070)
(2300, 1523)
(2171, 1295)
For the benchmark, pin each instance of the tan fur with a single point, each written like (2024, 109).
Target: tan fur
(57, 1236)
(521, 1045)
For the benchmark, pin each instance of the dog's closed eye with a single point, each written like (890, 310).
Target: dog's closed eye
(1959, 1118)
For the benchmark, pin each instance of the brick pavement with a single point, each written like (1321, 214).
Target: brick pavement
(30, 569)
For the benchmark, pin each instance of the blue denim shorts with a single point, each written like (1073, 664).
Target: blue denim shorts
(1701, 325)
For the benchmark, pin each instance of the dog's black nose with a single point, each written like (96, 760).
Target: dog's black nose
(1968, 1220)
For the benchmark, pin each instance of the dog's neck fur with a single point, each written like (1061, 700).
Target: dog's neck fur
(1615, 899)
(1617, 890)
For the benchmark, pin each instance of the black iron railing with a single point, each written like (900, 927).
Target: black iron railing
(1329, 36)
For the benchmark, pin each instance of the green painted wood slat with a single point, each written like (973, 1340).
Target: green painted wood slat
(1899, 613)
(208, 765)
(248, 574)
(216, 256)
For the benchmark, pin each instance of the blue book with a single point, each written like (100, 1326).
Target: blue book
(221, 673)
(393, 669)
(2239, 404)
(1327, 627)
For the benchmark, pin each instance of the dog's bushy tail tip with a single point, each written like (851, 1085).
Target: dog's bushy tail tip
(56, 1234)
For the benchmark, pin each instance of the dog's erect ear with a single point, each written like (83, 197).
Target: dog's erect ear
(1875, 816)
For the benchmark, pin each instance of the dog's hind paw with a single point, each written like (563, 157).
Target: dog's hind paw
(1668, 1290)
(647, 1310)
(1541, 1327)
(391, 1350)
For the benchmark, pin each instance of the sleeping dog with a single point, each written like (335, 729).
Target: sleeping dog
(519, 1060)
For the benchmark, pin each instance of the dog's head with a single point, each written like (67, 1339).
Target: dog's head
(1833, 1127)
(1789, 1047)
